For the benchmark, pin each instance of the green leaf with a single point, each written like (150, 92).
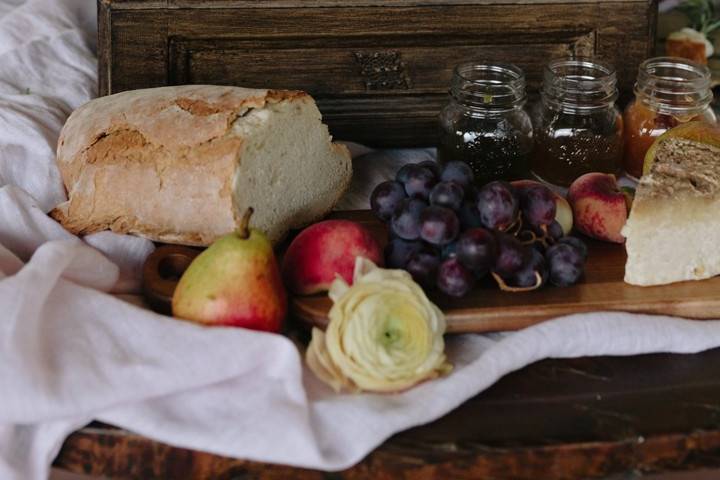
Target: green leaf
(701, 14)
(711, 27)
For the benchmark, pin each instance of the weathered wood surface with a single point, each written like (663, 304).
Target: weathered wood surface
(380, 71)
(487, 308)
(557, 419)
(132, 4)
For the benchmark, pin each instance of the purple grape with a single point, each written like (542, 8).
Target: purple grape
(525, 277)
(555, 230)
(566, 264)
(399, 251)
(405, 221)
(402, 175)
(458, 172)
(469, 215)
(498, 205)
(432, 166)
(420, 181)
(511, 255)
(537, 203)
(477, 249)
(385, 198)
(447, 194)
(439, 225)
(423, 267)
(578, 244)
(453, 279)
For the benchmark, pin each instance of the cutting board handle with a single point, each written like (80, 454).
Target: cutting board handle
(162, 271)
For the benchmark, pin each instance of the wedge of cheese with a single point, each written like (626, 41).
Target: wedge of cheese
(673, 232)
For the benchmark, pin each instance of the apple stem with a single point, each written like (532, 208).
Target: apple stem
(244, 228)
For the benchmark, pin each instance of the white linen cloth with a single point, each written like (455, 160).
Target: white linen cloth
(71, 352)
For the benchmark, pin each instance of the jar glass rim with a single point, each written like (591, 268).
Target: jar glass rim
(489, 85)
(581, 73)
(675, 70)
(674, 85)
(579, 84)
(510, 73)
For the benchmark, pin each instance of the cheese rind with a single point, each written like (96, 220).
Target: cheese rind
(673, 231)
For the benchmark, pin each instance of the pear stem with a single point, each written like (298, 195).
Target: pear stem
(243, 230)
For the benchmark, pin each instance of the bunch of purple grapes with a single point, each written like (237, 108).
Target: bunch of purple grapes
(449, 234)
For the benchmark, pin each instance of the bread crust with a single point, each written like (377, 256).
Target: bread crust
(159, 162)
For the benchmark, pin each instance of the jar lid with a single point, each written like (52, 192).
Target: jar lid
(489, 86)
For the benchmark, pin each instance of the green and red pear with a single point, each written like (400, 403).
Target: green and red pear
(235, 282)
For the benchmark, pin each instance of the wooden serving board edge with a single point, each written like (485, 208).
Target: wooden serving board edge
(517, 318)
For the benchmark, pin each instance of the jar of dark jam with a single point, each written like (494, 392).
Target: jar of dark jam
(484, 123)
(578, 129)
(668, 91)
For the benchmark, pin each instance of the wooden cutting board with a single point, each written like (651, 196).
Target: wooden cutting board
(488, 309)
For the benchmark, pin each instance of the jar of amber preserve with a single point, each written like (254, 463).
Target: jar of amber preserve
(668, 91)
(484, 123)
(578, 128)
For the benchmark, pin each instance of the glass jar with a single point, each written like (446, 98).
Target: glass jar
(484, 123)
(668, 91)
(578, 129)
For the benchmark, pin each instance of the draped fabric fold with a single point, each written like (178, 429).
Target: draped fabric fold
(72, 350)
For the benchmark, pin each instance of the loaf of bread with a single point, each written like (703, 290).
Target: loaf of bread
(181, 164)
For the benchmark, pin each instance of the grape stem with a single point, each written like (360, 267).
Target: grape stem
(515, 227)
(507, 288)
(532, 238)
(545, 240)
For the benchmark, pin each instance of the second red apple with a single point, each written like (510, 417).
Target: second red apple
(599, 206)
(324, 250)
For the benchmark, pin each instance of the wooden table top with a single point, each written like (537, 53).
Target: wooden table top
(557, 419)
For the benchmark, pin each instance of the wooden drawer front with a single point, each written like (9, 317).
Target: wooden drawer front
(380, 75)
(358, 68)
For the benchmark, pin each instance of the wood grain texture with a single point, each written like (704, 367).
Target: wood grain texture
(488, 309)
(319, 46)
(104, 49)
(554, 420)
(129, 4)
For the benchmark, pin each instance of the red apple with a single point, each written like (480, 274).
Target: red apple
(324, 250)
(599, 206)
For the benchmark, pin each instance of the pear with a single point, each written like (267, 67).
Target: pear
(235, 282)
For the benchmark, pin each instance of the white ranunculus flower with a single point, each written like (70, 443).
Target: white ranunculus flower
(384, 334)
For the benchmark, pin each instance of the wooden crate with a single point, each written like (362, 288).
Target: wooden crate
(379, 69)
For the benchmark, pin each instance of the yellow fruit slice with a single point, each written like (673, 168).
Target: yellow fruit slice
(698, 131)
